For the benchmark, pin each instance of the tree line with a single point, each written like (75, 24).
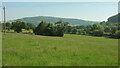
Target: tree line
(44, 28)
(17, 26)
(104, 29)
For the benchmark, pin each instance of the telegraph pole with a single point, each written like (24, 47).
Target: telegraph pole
(4, 21)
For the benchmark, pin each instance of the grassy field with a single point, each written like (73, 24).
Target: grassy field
(70, 50)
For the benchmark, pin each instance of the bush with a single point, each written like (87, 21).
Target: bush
(84, 33)
(48, 29)
(79, 32)
(98, 33)
(40, 29)
(60, 31)
(74, 31)
(117, 35)
(18, 26)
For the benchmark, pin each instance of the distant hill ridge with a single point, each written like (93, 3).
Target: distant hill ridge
(36, 20)
(114, 19)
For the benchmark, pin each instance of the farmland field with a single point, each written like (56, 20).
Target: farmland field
(70, 50)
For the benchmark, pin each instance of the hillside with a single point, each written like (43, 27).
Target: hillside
(113, 19)
(36, 20)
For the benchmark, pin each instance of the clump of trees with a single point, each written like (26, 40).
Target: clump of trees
(105, 29)
(8, 26)
(50, 29)
(17, 26)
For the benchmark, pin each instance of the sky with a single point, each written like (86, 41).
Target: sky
(60, 0)
(92, 11)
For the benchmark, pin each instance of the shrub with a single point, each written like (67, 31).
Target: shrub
(74, 31)
(84, 33)
(117, 35)
(48, 29)
(18, 26)
(98, 33)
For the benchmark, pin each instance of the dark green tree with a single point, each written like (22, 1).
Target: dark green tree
(61, 28)
(18, 26)
(74, 31)
(98, 32)
(113, 29)
(117, 35)
(30, 26)
(50, 30)
(40, 29)
(107, 29)
(7, 24)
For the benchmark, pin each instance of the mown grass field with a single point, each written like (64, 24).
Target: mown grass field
(70, 50)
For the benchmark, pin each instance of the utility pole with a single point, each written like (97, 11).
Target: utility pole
(4, 21)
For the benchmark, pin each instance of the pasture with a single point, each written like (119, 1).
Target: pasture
(71, 50)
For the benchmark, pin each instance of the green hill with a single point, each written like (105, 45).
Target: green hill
(36, 20)
(113, 19)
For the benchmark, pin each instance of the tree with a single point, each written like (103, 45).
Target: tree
(98, 27)
(117, 35)
(30, 26)
(40, 29)
(7, 24)
(18, 26)
(103, 23)
(74, 31)
(84, 33)
(113, 29)
(66, 26)
(95, 26)
(107, 29)
(68, 29)
(81, 32)
(61, 28)
(49, 29)
(98, 32)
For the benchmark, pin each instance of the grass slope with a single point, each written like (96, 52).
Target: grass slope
(70, 50)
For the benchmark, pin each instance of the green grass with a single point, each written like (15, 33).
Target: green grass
(70, 50)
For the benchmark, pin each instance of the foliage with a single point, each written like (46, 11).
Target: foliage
(50, 29)
(117, 35)
(40, 29)
(18, 26)
(98, 33)
(7, 24)
(106, 29)
(30, 26)
(74, 31)
(113, 29)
